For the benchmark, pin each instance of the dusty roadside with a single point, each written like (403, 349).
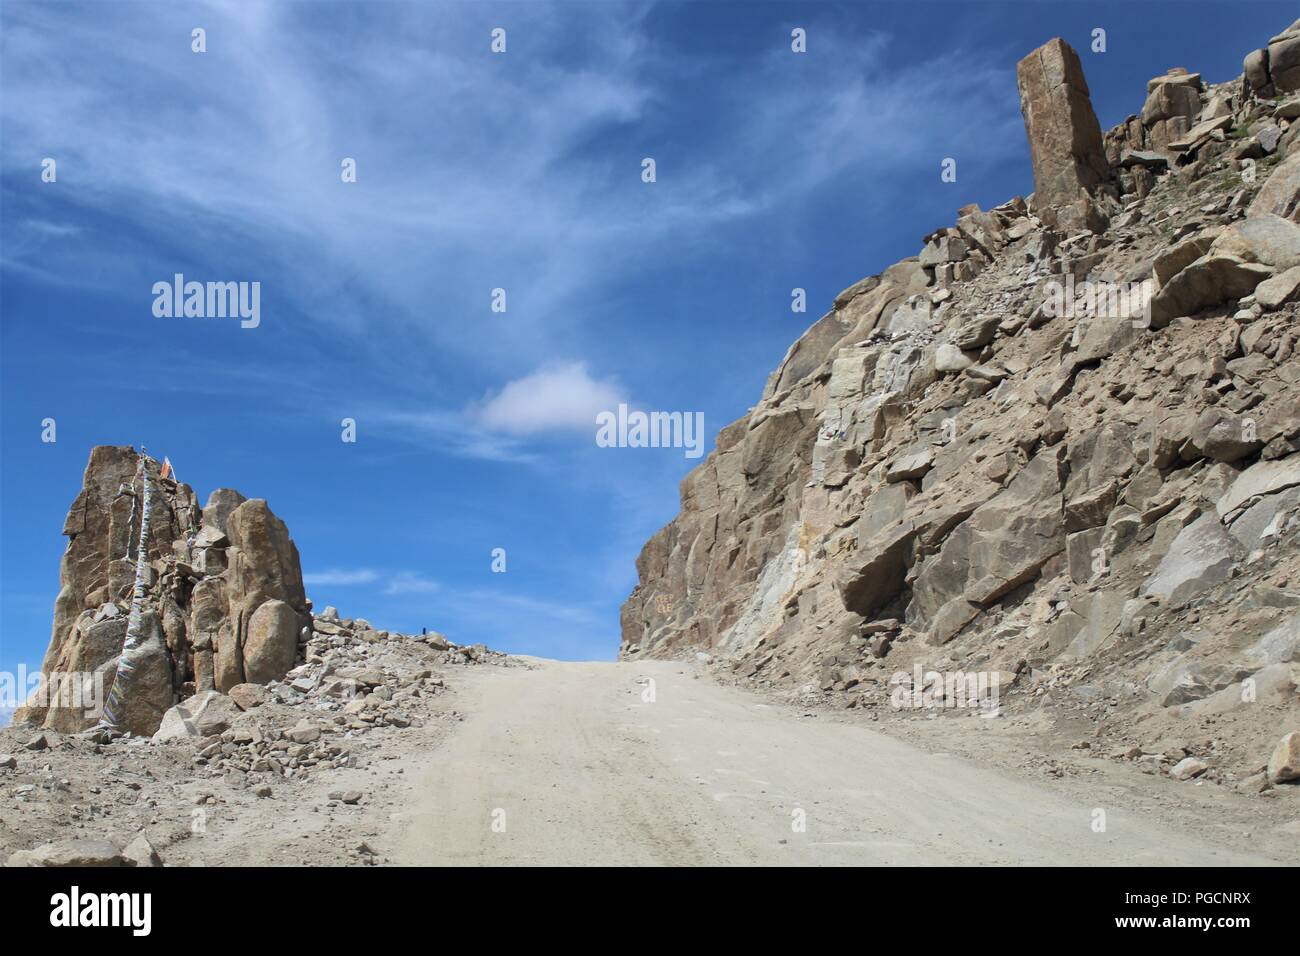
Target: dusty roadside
(653, 762)
(649, 762)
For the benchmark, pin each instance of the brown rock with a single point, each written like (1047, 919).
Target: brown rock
(1209, 281)
(221, 504)
(1284, 764)
(101, 529)
(271, 643)
(248, 696)
(1064, 137)
(1284, 59)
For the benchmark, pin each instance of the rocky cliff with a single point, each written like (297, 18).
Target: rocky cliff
(225, 602)
(1058, 445)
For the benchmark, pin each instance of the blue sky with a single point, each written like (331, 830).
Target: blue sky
(475, 171)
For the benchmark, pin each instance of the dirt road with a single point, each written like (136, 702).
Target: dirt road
(641, 763)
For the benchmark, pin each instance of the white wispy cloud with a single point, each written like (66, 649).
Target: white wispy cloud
(471, 167)
(448, 432)
(390, 582)
(506, 606)
(475, 171)
(561, 396)
(409, 582)
(338, 577)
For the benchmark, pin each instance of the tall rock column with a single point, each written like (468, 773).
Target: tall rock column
(96, 579)
(224, 600)
(1064, 136)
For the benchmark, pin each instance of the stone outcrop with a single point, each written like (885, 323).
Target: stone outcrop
(1062, 442)
(225, 598)
(1275, 68)
(1064, 136)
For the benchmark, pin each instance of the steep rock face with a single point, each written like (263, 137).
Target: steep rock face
(1050, 445)
(209, 573)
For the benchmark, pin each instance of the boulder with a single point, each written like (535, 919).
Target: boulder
(140, 852)
(1284, 764)
(910, 465)
(206, 714)
(1189, 767)
(976, 333)
(70, 853)
(1209, 281)
(1171, 96)
(1255, 68)
(248, 696)
(1280, 194)
(304, 732)
(271, 643)
(1222, 436)
(1279, 290)
(263, 561)
(1173, 260)
(949, 358)
(1202, 555)
(1262, 237)
(1284, 59)
(878, 569)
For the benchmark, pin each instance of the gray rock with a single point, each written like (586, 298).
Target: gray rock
(1280, 194)
(140, 852)
(1189, 767)
(206, 714)
(1255, 524)
(70, 853)
(1280, 289)
(976, 333)
(1261, 478)
(1202, 555)
(1001, 546)
(1263, 238)
(304, 732)
(1222, 436)
(949, 358)
(911, 465)
(1281, 645)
